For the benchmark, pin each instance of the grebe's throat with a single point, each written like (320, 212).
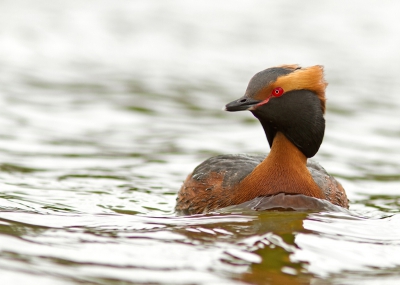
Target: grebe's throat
(284, 170)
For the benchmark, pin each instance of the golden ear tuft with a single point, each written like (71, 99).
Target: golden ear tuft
(309, 78)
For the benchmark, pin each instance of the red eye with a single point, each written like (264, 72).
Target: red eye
(278, 91)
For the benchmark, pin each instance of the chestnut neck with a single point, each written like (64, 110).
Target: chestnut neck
(284, 170)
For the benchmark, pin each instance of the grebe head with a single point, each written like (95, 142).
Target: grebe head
(288, 99)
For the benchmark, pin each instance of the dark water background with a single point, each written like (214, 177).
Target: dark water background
(106, 106)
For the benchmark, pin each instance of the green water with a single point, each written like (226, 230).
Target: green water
(106, 107)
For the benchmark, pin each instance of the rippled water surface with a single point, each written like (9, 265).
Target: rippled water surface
(107, 106)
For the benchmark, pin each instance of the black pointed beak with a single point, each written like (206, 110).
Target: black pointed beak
(241, 104)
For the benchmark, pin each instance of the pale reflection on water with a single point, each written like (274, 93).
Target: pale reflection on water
(106, 107)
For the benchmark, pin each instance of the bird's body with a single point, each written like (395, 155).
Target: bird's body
(289, 102)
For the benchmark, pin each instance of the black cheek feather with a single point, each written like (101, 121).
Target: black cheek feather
(298, 115)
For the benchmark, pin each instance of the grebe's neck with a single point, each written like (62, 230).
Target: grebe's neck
(284, 170)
